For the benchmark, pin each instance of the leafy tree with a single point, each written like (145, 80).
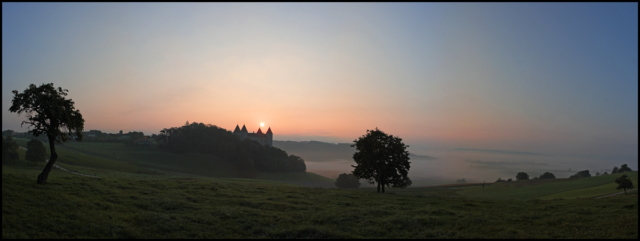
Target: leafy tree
(584, 173)
(605, 173)
(381, 159)
(35, 151)
(597, 174)
(624, 183)
(508, 180)
(347, 181)
(522, 176)
(547, 175)
(500, 180)
(9, 150)
(615, 170)
(50, 114)
(624, 168)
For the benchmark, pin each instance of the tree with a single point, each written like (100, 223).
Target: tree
(547, 175)
(50, 114)
(522, 176)
(381, 158)
(624, 183)
(35, 151)
(624, 168)
(605, 173)
(9, 150)
(508, 180)
(584, 173)
(461, 181)
(615, 170)
(500, 180)
(597, 174)
(347, 181)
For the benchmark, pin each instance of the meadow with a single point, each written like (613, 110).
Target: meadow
(164, 204)
(98, 156)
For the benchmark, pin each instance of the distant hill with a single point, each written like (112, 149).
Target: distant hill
(316, 151)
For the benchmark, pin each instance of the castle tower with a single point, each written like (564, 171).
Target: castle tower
(269, 137)
(242, 134)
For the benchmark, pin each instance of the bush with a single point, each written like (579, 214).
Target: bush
(500, 180)
(508, 180)
(547, 175)
(347, 181)
(522, 176)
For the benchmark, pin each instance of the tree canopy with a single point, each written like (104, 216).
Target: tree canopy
(381, 159)
(624, 168)
(584, 173)
(522, 176)
(624, 182)
(547, 175)
(48, 113)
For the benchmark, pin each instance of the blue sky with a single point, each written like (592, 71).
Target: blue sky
(553, 78)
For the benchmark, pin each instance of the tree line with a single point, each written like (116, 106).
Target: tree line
(248, 155)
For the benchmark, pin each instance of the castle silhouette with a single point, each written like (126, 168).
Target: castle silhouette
(262, 138)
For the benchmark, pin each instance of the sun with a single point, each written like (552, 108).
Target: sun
(261, 124)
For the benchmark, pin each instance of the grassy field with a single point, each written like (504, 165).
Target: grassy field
(549, 189)
(151, 160)
(158, 206)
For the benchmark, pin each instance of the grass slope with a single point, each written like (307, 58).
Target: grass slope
(557, 188)
(151, 160)
(72, 206)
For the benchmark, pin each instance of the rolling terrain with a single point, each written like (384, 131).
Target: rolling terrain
(165, 204)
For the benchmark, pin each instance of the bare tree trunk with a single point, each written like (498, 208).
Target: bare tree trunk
(378, 181)
(42, 178)
(625, 191)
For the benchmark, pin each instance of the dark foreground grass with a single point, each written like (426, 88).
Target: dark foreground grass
(72, 206)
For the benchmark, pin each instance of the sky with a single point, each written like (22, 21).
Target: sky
(547, 78)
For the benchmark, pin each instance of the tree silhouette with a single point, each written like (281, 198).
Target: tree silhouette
(624, 183)
(522, 176)
(547, 175)
(381, 159)
(624, 168)
(50, 114)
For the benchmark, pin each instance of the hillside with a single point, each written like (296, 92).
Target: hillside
(99, 156)
(122, 205)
